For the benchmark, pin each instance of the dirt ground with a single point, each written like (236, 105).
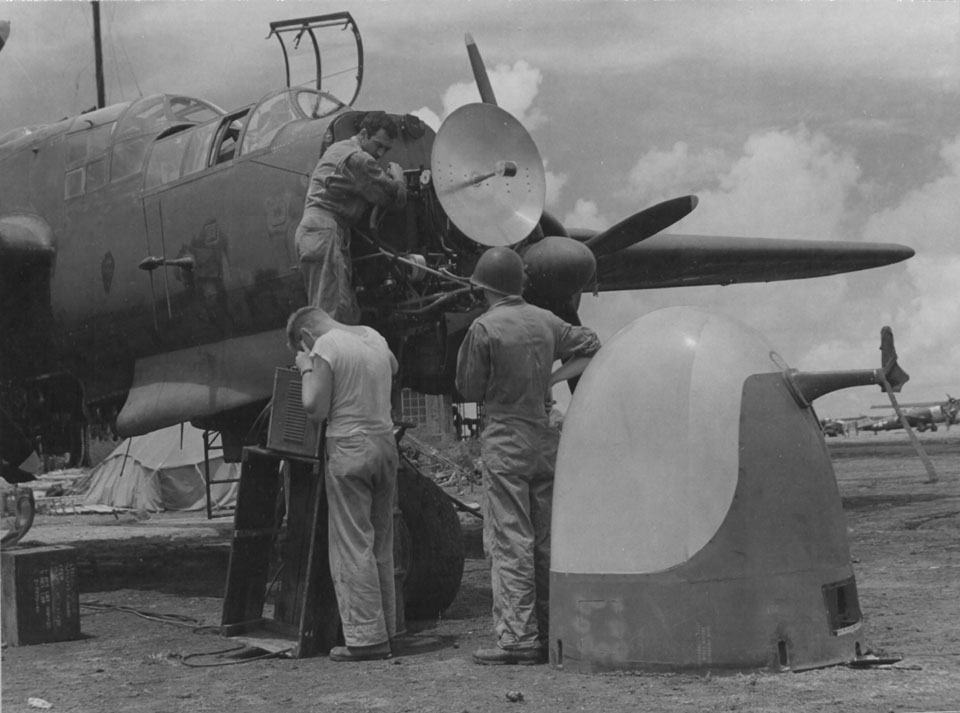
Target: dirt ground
(905, 545)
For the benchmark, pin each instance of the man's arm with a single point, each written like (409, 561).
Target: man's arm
(317, 389)
(374, 184)
(576, 345)
(473, 365)
(570, 369)
(575, 341)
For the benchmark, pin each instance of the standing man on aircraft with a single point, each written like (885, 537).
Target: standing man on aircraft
(506, 361)
(346, 181)
(347, 372)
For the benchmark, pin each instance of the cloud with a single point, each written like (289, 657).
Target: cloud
(800, 184)
(786, 184)
(928, 216)
(659, 175)
(585, 214)
(927, 220)
(515, 87)
(428, 116)
(555, 183)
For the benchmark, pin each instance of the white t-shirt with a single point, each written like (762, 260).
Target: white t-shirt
(362, 375)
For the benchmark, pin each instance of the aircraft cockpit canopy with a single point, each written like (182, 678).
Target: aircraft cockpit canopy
(110, 144)
(280, 108)
(320, 53)
(144, 119)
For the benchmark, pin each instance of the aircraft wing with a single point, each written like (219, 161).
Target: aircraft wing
(672, 260)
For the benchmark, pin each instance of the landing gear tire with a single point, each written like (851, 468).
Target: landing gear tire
(436, 556)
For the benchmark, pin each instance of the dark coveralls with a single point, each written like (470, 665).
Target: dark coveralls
(506, 361)
(345, 182)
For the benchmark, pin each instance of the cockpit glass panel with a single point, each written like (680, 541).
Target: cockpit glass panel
(99, 139)
(266, 120)
(128, 157)
(166, 158)
(89, 143)
(96, 175)
(317, 104)
(198, 148)
(143, 116)
(193, 110)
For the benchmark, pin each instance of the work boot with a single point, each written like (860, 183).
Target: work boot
(495, 656)
(377, 652)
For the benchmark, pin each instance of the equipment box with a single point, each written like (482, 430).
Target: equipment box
(41, 600)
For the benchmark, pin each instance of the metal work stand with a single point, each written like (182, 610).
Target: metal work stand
(212, 442)
(305, 620)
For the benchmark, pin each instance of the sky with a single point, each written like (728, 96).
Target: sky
(813, 120)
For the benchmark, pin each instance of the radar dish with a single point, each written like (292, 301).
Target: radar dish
(488, 175)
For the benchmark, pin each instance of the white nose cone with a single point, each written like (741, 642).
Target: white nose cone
(648, 461)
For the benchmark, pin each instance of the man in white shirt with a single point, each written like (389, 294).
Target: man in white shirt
(347, 372)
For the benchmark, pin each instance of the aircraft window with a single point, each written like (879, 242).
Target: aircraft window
(141, 117)
(128, 157)
(73, 183)
(76, 147)
(225, 147)
(82, 145)
(96, 175)
(194, 110)
(198, 148)
(266, 120)
(318, 104)
(165, 160)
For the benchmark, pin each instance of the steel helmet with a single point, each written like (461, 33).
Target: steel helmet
(499, 269)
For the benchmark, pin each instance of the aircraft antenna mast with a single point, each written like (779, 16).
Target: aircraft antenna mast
(98, 55)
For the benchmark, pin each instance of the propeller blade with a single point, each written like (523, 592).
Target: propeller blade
(641, 226)
(479, 71)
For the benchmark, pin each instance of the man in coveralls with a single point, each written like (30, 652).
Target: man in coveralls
(346, 181)
(346, 373)
(506, 361)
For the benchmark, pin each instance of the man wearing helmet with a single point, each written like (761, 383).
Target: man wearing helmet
(346, 181)
(505, 361)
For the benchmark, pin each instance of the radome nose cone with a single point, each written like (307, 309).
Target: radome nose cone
(648, 460)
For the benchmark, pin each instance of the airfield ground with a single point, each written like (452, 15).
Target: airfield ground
(904, 540)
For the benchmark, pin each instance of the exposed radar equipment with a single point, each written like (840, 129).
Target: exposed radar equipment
(488, 175)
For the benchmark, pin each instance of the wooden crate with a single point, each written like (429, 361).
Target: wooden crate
(41, 598)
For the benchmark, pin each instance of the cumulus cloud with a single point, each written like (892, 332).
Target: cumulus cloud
(927, 219)
(428, 116)
(799, 184)
(659, 175)
(789, 183)
(555, 183)
(928, 216)
(515, 87)
(585, 214)
(784, 184)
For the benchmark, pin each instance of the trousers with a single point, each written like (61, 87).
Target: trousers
(361, 486)
(517, 507)
(324, 249)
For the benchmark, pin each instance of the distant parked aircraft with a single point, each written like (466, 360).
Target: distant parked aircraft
(927, 414)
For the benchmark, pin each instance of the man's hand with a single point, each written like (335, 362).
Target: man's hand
(394, 171)
(304, 361)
